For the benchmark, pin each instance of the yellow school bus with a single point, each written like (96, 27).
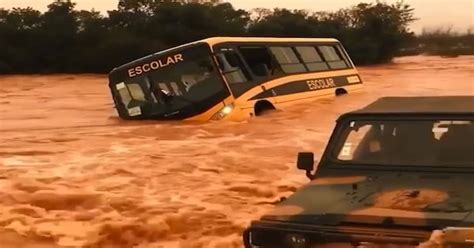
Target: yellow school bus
(230, 78)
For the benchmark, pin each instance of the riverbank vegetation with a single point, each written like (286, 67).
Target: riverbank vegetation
(64, 39)
(441, 41)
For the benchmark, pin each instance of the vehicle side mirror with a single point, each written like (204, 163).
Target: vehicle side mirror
(306, 163)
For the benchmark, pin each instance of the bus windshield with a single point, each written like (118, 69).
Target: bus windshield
(414, 143)
(177, 85)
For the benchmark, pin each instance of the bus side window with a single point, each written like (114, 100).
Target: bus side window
(260, 61)
(333, 56)
(288, 60)
(312, 59)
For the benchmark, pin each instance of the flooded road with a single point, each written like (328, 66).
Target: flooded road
(73, 174)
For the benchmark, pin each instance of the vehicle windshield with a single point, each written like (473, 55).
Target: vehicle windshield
(412, 143)
(180, 84)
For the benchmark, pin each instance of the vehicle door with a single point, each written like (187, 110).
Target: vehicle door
(247, 70)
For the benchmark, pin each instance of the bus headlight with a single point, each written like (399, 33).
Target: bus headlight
(223, 112)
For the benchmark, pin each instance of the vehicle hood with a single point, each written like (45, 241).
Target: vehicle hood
(401, 199)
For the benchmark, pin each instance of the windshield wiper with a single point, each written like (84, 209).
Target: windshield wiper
(167, 97)
(182, 98)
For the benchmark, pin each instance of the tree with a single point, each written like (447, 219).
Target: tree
(58, 31)
(381, 29)
(283, 23)
(18, 29)
(67, 40)
(372, 32)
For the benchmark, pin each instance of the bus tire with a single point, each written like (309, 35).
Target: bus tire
(263, 107)
(341, 92)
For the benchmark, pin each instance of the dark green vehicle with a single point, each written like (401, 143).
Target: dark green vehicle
(394, 172)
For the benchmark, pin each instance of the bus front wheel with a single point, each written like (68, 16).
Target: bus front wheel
(341, 92)
(263, 107)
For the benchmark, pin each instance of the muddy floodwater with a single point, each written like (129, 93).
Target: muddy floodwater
(73, 174)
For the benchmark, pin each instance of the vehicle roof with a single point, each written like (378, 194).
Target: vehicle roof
(419, 106)
(218, 40)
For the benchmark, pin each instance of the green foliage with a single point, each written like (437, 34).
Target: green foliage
(64, 39)
(18, 30)
(372, 32)
(383, 29)
(284, 23)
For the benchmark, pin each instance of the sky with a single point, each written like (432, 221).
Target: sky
(458, 14)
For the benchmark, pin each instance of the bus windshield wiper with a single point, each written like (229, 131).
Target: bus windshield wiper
(167, 97)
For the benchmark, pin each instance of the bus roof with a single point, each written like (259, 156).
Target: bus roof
(218, 40)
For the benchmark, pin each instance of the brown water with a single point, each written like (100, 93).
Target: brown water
(72, 173)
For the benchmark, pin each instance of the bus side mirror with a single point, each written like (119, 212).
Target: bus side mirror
(306, 163)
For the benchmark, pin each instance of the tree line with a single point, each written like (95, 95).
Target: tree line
(66, 40)
(442, 42)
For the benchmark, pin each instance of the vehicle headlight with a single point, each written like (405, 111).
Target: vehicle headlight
(296, 241)
(223, 112)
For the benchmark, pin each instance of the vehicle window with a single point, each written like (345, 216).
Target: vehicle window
(312, 59)
(333, 56)
(195, 78)
(132, 95)
(234, 71)
(124, 94)
(288, 60)
(131, 92)
(184, 83)
(136, 92)
(355, 137)
(260, 61)
(423, 143)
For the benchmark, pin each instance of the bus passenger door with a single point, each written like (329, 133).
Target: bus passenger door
(263, 69)
(241, 80)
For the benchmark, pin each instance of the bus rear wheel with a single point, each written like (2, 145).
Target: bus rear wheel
(263, 107)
